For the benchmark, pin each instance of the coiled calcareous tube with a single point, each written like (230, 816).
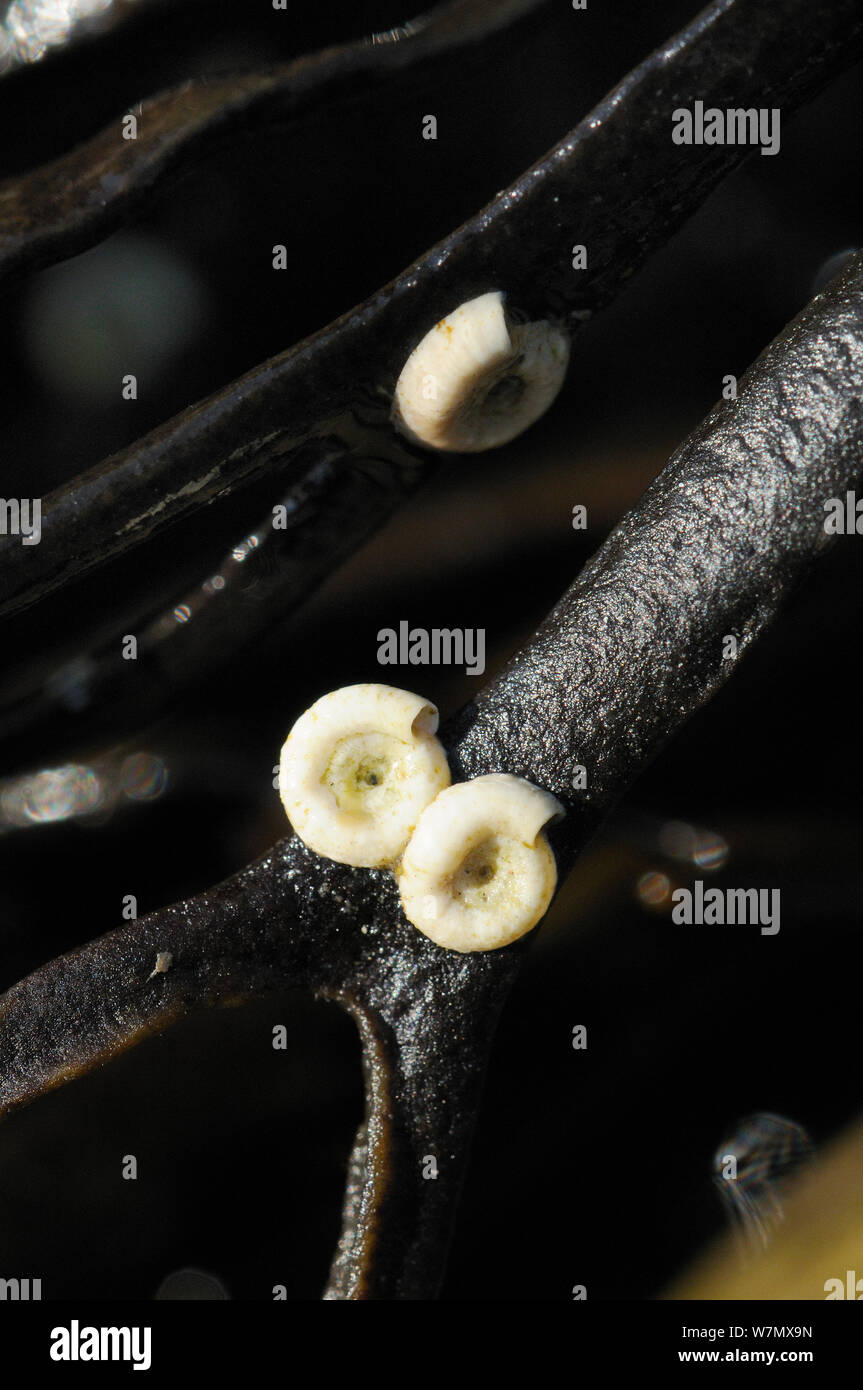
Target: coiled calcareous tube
(475, 381)
(478, 873)
(357, 770)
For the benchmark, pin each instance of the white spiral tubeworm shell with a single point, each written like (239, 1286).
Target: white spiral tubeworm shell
(476, 381)
(478, 873)
(358, 768)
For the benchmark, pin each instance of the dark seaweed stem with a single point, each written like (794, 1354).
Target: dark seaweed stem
(617, 183)
(713, 547)
(65, 207)
(633, 647)
(338, 494)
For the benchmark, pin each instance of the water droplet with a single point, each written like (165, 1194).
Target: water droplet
(143, 777)
(676, 839)
(705, 848)
(710, 850)
(54, 794)
(653, 889)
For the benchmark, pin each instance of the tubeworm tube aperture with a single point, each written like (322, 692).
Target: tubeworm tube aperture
(476, 381)
(478, 873)
(358, 768)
